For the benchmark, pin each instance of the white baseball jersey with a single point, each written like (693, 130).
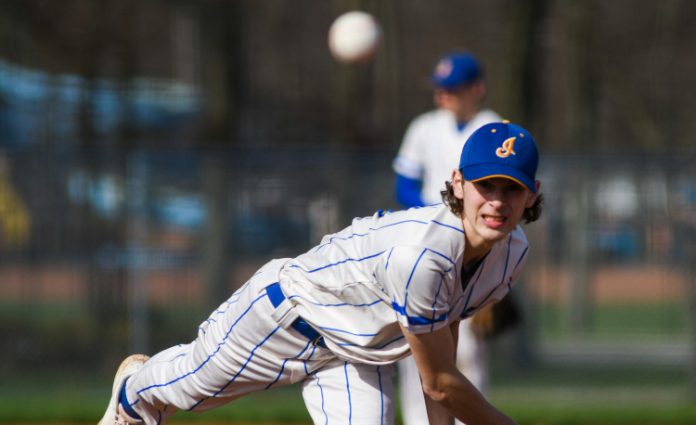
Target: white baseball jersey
(353, 289)
(430, 140)
(395, 268)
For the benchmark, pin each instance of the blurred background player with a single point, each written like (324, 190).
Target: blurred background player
(429, 151)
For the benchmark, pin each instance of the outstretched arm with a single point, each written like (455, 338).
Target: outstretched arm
(434, 354)
(408, 191)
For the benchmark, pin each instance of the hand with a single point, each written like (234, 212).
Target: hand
(482, 322)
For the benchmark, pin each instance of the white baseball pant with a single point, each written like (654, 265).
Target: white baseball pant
(243, 348)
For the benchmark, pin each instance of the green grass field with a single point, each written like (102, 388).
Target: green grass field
(549, 396)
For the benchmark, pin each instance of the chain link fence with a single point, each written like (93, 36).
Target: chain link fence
(103, 255)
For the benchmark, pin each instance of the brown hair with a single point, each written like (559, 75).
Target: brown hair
(456, 205)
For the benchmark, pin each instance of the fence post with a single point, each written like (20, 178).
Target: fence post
(578, 215)
(137, 253)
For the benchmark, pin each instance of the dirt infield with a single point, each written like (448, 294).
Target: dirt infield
(609, 284)
(68, 284)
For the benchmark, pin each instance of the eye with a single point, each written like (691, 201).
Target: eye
(484, 185)
(514, 188)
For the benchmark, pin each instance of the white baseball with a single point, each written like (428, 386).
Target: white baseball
(354, 37)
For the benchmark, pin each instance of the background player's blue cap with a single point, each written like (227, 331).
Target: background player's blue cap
(500, 149)
(455, 69)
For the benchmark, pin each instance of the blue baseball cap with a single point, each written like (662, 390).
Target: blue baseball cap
(500, 149)
(454, 70)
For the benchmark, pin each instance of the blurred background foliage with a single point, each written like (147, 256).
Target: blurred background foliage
(154, 153)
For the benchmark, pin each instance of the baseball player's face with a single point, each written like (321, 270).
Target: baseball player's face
(492, 207)
(464, 102)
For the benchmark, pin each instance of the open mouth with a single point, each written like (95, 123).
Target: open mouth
(494, 221)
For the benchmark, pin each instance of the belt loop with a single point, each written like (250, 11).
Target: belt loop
(286, 316)
(284, 313)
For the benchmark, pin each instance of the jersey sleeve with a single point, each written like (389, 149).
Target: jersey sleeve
(414, 277)
(408, 192)
(408, 161)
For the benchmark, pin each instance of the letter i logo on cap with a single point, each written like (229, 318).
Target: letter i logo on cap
(507, 149)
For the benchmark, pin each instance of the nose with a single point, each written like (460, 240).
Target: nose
(497, 196)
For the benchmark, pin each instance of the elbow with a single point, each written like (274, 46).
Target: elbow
(436, 389)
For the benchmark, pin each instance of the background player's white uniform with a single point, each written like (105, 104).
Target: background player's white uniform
(431, 148)
(429, 152)
(354, 289)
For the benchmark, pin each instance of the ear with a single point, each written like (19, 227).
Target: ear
(532, 199)
(458, 184)
(479, 88)
(440, 98)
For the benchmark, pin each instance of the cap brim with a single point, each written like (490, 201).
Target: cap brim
(489, 171)
(439, 84)
(448, 85)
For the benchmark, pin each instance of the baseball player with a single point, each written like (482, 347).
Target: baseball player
(338, 317)
(428, 152)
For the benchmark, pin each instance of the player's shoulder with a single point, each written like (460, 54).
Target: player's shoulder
(438, 216)
(442, 228)
(435, 231)
(421, 214)
(485, 116)
(427, 212)
(518, 239)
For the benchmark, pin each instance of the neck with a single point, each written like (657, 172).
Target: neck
(475, 247)
(474, 253)
(465, 114)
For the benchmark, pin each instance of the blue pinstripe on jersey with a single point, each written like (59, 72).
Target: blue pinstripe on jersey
(134, 403)
(228, 304)
(468, 310)
(369, 229)
(373, 229)
(524, 254)
(435, 298)
(350, 403)
(239, 372)
(415, 320)
(386, 264)
(321, 392)
(349, 266)
(472, 285)
(349, 344)
(314, 350)
(408, 282)
(282, 366)
(211, 355)
(327, 328)
(401, 309)
(448, 226)
(381, 395)
(441, 255)
(507, 259)
(370, 304)
(338, 263)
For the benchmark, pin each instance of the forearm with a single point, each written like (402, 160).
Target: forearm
(437, 413)
(449, 390)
